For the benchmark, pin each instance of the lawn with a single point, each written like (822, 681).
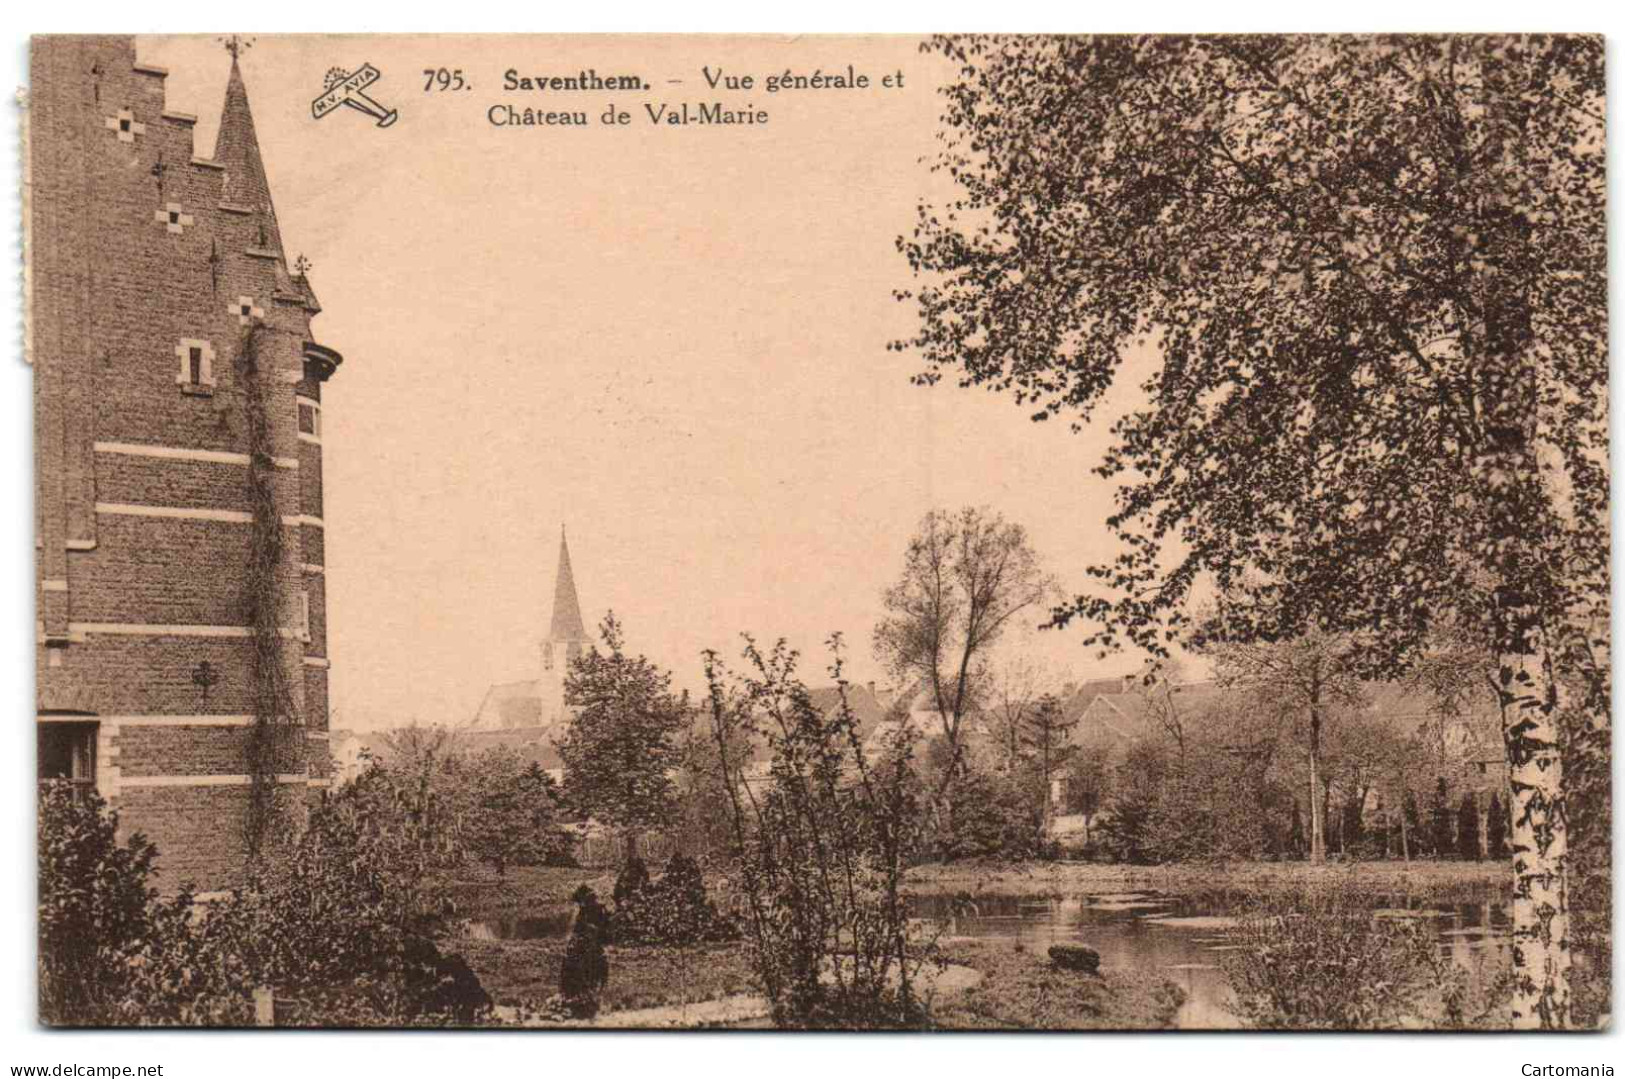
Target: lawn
(525, 891)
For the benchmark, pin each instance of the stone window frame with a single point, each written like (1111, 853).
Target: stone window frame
(313, 435)
(204, 383)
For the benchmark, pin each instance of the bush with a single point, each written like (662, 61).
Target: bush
(822, 851)
(1125, 833)
(631, 881)
(672, 910)
(332, 919)
(96, 906)
(1328, 958)
(990, 816)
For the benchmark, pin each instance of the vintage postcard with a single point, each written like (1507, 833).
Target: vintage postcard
(889, 532)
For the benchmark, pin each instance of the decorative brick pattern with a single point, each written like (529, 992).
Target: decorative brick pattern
(246, 310)
(173, 218)
(125, 125)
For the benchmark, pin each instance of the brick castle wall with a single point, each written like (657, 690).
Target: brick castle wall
(142, 249)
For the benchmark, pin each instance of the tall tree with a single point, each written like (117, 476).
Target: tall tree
(1306, 677)
(966, 576)
(1369, 277)
(621, 747)
(1046, 734)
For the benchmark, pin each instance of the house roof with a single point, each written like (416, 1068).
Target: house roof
(509, 704)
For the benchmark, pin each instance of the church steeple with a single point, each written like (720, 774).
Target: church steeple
(567, 624)
(238, 149)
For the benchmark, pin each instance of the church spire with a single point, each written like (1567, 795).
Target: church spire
(238, 149)
(567, 624)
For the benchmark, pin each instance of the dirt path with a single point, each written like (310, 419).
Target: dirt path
(728, 1011)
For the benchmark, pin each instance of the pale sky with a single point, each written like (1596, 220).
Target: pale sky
(671, 340)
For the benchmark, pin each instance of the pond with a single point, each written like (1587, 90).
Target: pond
(547, 923)
(1181, 937)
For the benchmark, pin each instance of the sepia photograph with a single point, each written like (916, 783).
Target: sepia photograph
(884, 532)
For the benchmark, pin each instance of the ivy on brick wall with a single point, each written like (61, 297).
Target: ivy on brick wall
(263, 598)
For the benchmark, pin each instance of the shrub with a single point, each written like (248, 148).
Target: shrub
(1077, 957)
(1327, 958)
(822, 850)
(631, 881)
(990, 815)
(1125, 833)
(672, 910)
(96, 906)
(1467, 829)
(332, 919)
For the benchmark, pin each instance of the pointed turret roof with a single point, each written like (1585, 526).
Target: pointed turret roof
(238, 149)
(567, 624)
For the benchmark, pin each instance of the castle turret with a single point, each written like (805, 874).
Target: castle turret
(182, 660)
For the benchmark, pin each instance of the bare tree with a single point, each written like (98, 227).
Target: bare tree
(1017, 687)
(1306, 676)
(965, 577)
(1155, 688)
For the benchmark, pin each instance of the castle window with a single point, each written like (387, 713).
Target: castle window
(173, 218)
(245, 310)
(197, 365)
(304, 616)
(124, 124)
(67, 750)
(310, 421)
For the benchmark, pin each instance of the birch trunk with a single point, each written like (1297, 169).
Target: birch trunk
(1317, 817)
(1539, 835)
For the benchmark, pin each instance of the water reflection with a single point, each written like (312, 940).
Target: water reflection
(1183, 937)
(549, 924)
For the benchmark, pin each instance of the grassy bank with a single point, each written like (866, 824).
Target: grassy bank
(527, 971)
(1441, 881)
(1022, 990)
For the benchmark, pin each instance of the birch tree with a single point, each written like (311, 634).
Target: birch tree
(1367, 275)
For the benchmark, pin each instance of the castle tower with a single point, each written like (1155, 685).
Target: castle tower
(566, 637)
(178, 401)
